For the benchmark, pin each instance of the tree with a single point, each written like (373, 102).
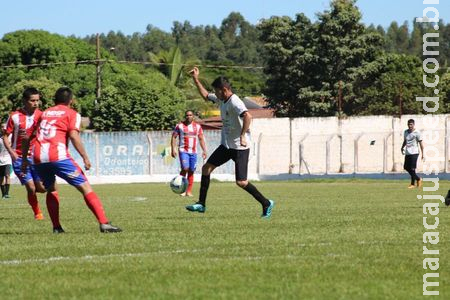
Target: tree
(400, 79)
(132, 102)
(240, 39)
(306, 62)
(169, 63)
(140, 88)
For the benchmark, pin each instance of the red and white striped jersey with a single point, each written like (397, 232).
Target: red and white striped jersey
(53, 133)
(20, 120)
(188, 136)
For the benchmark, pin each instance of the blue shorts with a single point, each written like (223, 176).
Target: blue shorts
(66, 169)
(30, 174)
(188, 161)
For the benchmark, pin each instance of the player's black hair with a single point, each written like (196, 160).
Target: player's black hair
(411, 121)
(63, 95)
(189, 110)
(221, 82)
(28, 92)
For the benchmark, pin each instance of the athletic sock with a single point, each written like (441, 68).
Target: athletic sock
(414, 176)
(3, 190)
(252, 190)
(191, 182)
(7, 189)
(32, 200)
(411, 174)
(52, 200)
(95, 205)
(204, 185)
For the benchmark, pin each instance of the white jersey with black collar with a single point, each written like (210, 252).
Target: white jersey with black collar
(230, 112)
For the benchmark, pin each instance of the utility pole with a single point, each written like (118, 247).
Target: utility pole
(340, 99)
(98, 88)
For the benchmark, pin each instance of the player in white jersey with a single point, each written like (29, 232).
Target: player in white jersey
(410, 147)
(188, 131)
(5, 168)
(235, 142)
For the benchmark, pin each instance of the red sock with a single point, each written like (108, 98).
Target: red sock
(191, 182)
(95, 205)
(52, 200)
(32, 200)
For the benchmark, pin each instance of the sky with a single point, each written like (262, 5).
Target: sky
(86, 17)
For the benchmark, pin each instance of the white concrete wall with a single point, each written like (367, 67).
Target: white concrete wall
(370, 145)
(377, 139)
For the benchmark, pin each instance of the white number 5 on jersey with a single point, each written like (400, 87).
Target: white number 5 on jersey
(47, 130)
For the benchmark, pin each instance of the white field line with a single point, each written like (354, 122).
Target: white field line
(92, 257)
(143, 254)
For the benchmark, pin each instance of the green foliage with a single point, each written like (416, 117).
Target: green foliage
(128, 90)
(40, 47)
(397, 82)
(132, 103)
(310, 64)
(305, 63)
(170, 63)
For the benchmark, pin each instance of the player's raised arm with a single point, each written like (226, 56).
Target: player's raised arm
(201, 89)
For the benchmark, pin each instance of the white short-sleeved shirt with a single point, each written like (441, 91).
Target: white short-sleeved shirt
(5, 158)
(230, 112)
(412, 140)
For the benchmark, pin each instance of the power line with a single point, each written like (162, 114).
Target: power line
(101, 61)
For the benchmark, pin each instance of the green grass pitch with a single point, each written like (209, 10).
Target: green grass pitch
(327, 239)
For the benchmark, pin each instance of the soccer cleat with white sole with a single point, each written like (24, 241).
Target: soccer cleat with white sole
(108, 228)
(196, 207)
(267, 211)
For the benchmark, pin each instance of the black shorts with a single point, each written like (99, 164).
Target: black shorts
(5, 170)
(411, 162)
(240, 157)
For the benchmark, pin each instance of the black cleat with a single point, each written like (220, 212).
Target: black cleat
(106, 228)
(447, 198)
(57, 230)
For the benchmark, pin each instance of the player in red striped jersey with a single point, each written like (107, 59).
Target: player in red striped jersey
(58, 125)
(188, 131)
(23, 121)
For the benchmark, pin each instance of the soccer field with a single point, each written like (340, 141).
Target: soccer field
(327, 239)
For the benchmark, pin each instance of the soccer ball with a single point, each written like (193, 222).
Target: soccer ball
(179, 184)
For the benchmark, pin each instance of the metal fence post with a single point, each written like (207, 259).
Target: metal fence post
(301, 155)
(385, 152)
(327, 153)
(150, 154)
(355, 154)
(258, 157)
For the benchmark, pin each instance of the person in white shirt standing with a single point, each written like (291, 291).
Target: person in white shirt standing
(410, 147)
(5, 168)
(235, 142)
